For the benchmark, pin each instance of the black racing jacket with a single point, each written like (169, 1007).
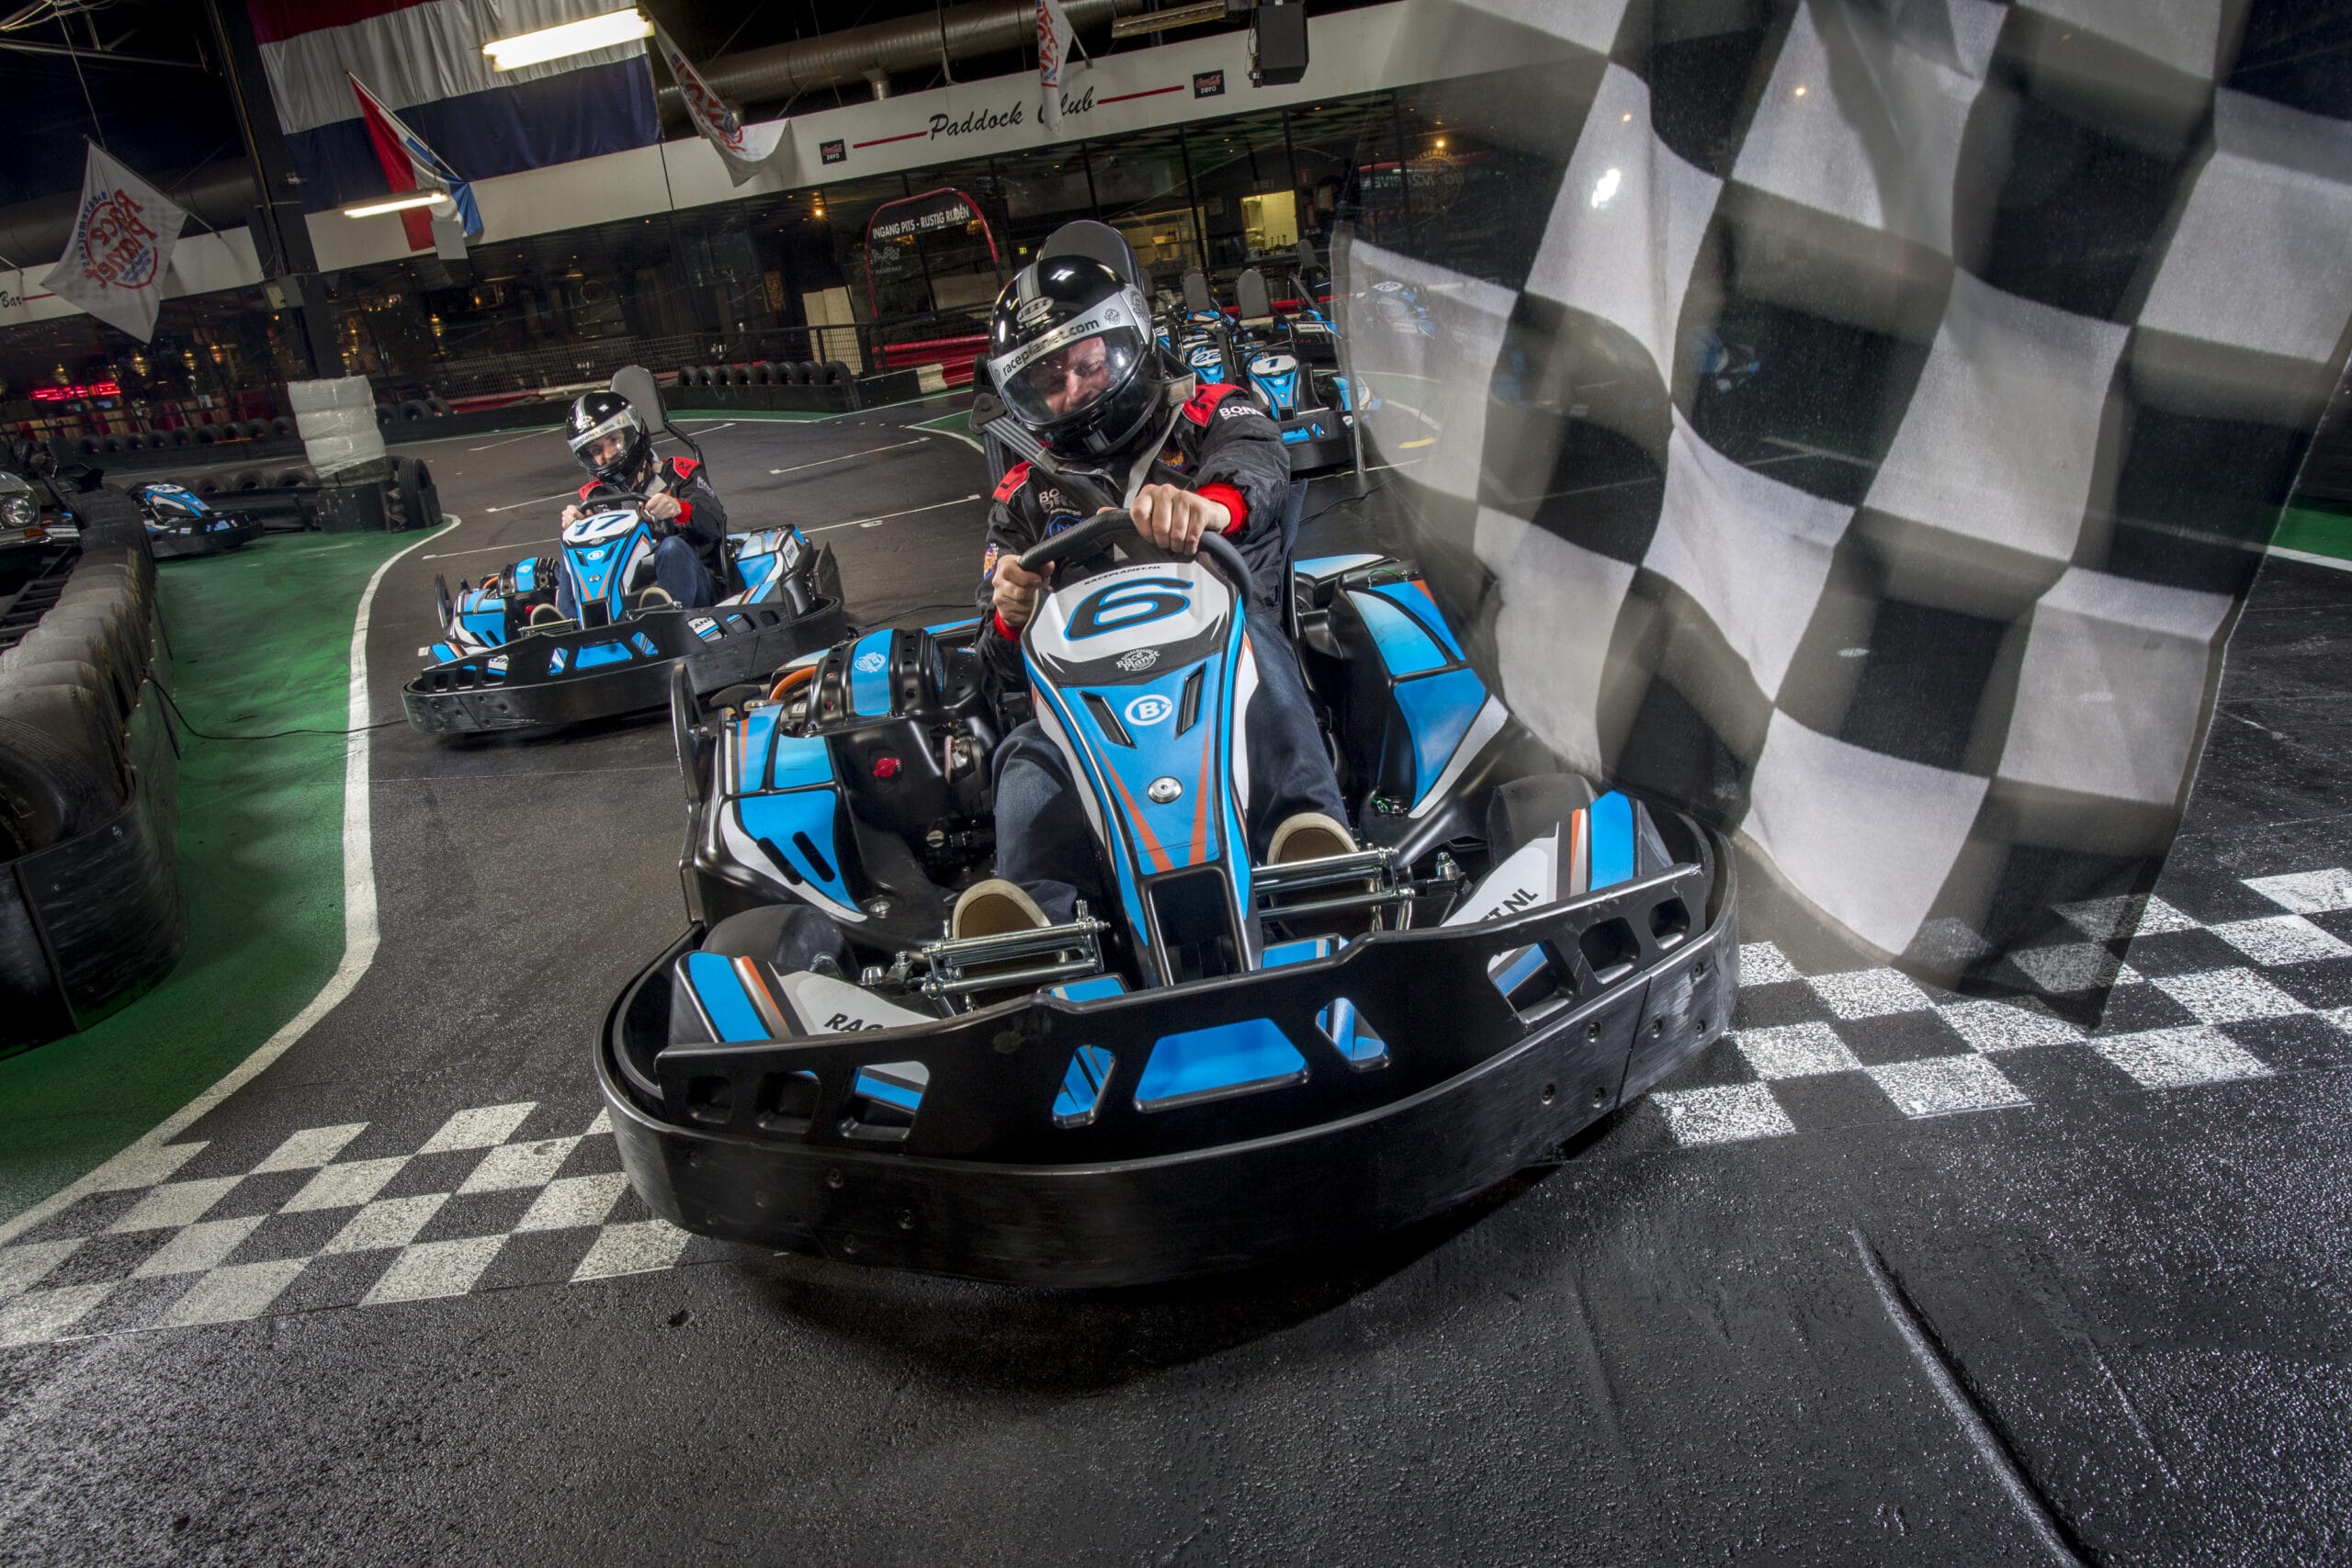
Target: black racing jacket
(702, 519)
(1220, 444)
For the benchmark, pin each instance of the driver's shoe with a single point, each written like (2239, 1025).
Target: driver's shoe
(993, 908)
(1310, 835)
(1315, 835)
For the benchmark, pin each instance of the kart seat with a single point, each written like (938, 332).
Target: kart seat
(1249, 297)
(1197, 290)
(1096, 241)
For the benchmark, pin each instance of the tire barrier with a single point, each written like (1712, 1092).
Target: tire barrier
(207, 484)
(288, 478)
(435, 407)
(383, 416)
(281, 425)
(248, 481)
(91, 912)
(412, 410)
(762, 373)
(183, 437)
(833, 373)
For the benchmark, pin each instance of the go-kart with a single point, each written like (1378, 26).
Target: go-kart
(509, 658)
(1230, 1063)
(180, 523)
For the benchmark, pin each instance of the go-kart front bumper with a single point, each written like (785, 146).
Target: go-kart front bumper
(987, 1184)
(538, 681)
(183, 544)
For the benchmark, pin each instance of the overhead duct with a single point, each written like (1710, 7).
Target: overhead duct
(839, 60)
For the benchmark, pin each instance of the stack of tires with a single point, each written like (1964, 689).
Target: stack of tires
(91, 912)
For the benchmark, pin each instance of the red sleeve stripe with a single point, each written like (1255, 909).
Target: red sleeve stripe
(1015, 478)
(1231, 500)
(1010, 634)
(1204, 402)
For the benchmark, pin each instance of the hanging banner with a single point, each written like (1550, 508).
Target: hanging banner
(121, 247)
(1054, 39)
(740, 148)
(410, 165)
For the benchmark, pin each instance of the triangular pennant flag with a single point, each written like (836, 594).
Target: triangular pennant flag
(741, 149)
(120, 248)
(1053, 42)
(410, 165)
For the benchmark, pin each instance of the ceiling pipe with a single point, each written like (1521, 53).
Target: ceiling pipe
(786, 71)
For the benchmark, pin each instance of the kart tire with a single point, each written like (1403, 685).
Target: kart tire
(706, 375)
(383, 416)
(804, 373)
(111, 444)
(762, 373)
(73, 700)
(833, 373)
(183, 437)
(206, 435)
(1526, 810)
(435, 407)
(281, 425)
(740, 375)
(412, 410)
(249, 480)
(89, 446)
(207, 484)
(790, 936)
(414, 482)
(49, 789)
(289, 479)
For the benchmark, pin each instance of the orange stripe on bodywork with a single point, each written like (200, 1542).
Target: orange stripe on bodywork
(1159, 861)
(756, 985)
(1201, 800)
(1577, 875)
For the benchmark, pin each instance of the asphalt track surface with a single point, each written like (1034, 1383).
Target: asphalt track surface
(2108, 1325)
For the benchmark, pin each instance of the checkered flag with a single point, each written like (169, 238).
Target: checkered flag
(1860, 422)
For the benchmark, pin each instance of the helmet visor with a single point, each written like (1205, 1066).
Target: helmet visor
(602, 444)
(1077, 365)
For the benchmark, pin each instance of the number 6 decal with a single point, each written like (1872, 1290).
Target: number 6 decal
(1134, 603)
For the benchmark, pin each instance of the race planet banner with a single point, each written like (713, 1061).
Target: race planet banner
(1861, 424)
(740, 148)
(1053, 40)
(121, 247)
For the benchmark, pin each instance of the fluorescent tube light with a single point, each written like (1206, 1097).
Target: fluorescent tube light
(569, 37)
(397, 204)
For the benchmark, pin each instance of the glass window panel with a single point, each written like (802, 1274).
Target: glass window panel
(1142, 192)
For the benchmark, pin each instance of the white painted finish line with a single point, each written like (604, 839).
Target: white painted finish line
(869, 451)
(886, 516)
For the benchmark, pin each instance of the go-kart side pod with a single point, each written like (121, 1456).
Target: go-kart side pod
(1015, 1143)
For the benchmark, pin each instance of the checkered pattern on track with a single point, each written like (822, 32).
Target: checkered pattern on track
(1852, 418)
(334, 1216)
(2263, 984)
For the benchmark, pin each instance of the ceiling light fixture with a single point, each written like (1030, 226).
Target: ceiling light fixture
(396, 204)
(568, 39)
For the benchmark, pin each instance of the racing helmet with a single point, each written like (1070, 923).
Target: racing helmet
(1070, 350)
(600, 414)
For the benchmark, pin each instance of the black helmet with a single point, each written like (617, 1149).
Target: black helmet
(1070, 352)
(597, 415)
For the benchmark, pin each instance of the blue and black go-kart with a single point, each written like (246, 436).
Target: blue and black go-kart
(180, 523)
(508, 657)
(1231, 1063)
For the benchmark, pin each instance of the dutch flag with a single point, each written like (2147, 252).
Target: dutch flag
(410, 165)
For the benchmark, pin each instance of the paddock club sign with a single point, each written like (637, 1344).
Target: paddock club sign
(983, 123)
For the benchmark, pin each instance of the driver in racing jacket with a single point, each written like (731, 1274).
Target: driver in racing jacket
(610, 439)
(1071, 353)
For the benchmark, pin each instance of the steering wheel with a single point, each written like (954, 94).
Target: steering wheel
(598, 498)
(1077, 543)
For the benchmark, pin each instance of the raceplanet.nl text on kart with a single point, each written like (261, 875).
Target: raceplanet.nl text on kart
(1209, 1073)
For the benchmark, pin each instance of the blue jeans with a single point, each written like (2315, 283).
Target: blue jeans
(677, 568)
(1042, 839)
